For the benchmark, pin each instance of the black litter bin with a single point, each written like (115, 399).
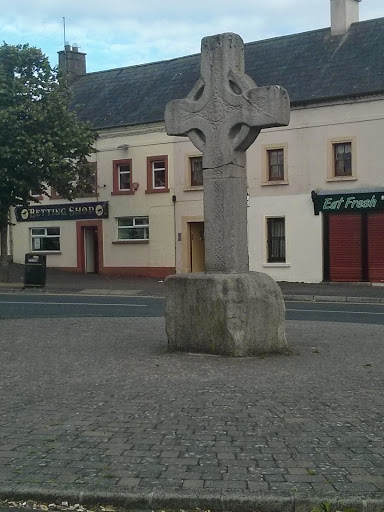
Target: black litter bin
(35, 270)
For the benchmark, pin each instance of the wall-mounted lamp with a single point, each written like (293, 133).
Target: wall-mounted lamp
(135, 185)
(124, 147)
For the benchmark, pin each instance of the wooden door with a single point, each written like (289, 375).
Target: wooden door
(197, 245)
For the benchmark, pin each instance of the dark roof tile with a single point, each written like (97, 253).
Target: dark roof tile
(312, 66)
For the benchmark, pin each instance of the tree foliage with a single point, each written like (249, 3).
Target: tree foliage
(42, 142)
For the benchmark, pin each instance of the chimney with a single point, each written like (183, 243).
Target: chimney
(343, 14)
(72, 62)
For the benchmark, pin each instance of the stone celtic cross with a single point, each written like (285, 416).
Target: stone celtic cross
(222, 116)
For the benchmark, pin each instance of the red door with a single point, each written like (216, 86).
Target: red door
(345, 248)
(376, 247)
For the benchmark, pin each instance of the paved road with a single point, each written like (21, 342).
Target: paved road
(70, 306)
(336, 312)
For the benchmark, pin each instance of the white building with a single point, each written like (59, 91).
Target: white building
(316, 191)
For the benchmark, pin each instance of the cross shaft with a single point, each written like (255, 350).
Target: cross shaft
(222, 116)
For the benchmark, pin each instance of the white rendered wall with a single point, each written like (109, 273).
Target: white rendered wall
(303, 234)
(160, 250)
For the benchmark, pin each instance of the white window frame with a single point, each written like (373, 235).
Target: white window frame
(44, 235)
(121, 172)
(132, 226)
(162, 169)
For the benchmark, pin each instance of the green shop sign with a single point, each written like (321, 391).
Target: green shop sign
(348, 202)
(69, 211)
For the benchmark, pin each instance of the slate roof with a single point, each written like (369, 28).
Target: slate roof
(313, 66)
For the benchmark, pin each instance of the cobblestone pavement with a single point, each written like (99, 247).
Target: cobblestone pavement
(100, 404)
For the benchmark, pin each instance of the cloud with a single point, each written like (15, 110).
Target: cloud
(117, 33)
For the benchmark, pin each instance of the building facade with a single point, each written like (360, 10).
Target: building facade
(125, 227)
(315, 187)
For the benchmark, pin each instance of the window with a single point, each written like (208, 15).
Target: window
(54, 194)
(196, 171)
(45, 239)
(36, 194)
(122, 177)
(157, 174)
(342, 159)
(275, 164)
(89, 188)
(276, 240)
(133, 228)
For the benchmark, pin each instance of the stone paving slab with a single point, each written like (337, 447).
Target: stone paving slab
(98, 406)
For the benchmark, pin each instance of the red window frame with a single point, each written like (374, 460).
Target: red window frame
(151, 160)
(116, 177)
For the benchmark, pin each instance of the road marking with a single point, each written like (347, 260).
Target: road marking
(333, 311)
(72, 304)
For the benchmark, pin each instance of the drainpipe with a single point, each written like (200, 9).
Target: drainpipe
(174, 226)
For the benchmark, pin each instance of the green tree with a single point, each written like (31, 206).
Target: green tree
(42, 142)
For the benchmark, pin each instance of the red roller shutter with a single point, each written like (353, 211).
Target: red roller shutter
(376, 247)
(345, 251)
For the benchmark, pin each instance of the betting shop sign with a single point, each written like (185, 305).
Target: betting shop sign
(69, 211)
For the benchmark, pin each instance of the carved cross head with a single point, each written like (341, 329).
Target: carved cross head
(225, 111)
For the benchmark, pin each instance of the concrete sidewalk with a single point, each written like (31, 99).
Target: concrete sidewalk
(97, 410)
(59, 281)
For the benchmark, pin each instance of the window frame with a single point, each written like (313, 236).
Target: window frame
(36, 197)
(267, 179)
(346, 161)
(116, 177)
(46, 235)
(151, 160)
(133, 226)
(278, 152)
(280, 260)
(54, 194)
(332, 172)
(94, 193)
(191, 158)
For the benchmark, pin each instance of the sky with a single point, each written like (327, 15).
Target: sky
(118, 33)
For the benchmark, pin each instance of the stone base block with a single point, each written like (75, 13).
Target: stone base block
(234, 315)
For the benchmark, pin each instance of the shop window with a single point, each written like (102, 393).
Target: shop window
(45, 239)
(157, 174)
(132, 228)
(122, 177)
(276, 240)
(275, 165)
(196, 171)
